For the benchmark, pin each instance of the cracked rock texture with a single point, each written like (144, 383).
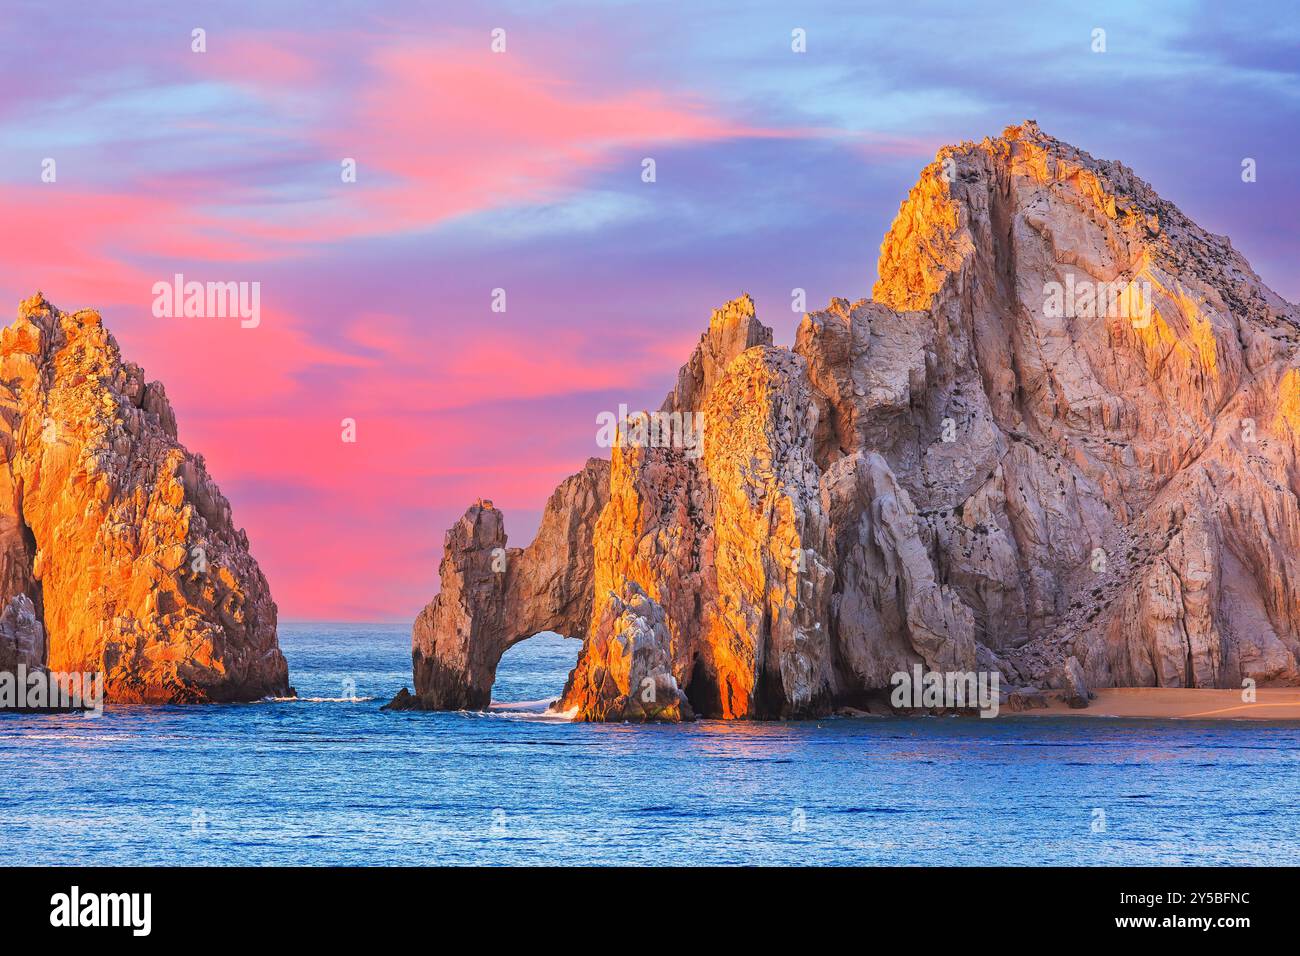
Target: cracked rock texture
(117, 550)
(630, 669)
(963, 472)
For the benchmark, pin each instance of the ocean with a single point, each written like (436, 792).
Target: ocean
(329, 780)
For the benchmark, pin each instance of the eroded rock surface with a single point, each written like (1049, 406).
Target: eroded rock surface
(628, 673)
(1059, 442)
(492, 596)
(117, 550)
(22, 637)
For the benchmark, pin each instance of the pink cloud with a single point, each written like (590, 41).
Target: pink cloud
(444, 129)
(462, 131)
(474, 364)
(439, 133)
(266, 60)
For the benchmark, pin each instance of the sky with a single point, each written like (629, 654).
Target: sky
(522, 169)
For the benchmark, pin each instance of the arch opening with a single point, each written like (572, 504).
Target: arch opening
(532, 672)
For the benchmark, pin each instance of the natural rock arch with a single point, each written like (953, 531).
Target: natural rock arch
(493, 597)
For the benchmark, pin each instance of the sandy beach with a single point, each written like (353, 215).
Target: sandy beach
(1271, 703)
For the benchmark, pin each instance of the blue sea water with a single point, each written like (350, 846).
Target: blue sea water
(328, 780)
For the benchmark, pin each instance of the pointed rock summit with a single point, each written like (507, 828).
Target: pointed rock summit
(1059, 442)
(117, 551)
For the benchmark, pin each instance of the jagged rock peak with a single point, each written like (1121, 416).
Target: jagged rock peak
(926, 242)
(732, 329)
(112, 534)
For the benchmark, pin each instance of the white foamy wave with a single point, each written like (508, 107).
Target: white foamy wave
(317, 700)
(539, 710)
(533, 706)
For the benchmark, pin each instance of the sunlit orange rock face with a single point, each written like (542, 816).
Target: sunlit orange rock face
(970, 471)
(113, 535)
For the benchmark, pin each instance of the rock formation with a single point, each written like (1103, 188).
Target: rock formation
(629, 672)
(117, 551)
(493, 597)
(1059, 442)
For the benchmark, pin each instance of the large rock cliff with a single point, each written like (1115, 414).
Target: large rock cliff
(1060, 438)
(117, 551)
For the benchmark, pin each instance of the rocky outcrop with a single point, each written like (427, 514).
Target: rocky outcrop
(887, 608)
(22, 638)
(1059, 442)
(628, 673)
(732, 329)
(117, 550)
(1068, 677)
(731, 544)
(492, 596)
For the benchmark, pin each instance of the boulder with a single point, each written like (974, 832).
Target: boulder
(1068, 677)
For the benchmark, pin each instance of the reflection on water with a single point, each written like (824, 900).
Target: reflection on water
(328, 779)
